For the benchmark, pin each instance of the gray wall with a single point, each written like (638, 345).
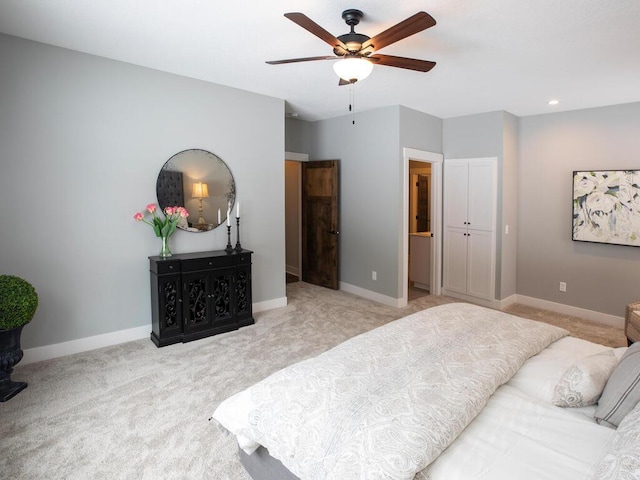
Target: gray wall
(297, 136)
(420, 131)
(509, 242)
(599, 277)
(82, 139)
(370, 154)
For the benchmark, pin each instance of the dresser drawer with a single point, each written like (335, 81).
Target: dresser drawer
(243, 259)
(167, 266)
(206, 263)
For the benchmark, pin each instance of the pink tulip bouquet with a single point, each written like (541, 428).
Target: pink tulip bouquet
(164, 228)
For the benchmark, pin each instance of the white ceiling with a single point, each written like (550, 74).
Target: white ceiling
(511, 55)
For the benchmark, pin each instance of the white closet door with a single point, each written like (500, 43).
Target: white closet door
(480, 265)
(482, 193)
(456, 193)
(455, 260)
(470, 219)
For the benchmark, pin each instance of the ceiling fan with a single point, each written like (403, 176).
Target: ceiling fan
(356, 50)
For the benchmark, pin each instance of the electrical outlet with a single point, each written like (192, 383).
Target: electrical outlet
(374, 275)
(506, 229)
(563, 287)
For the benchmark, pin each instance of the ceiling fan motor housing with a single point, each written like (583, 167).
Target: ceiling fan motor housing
(352, 40)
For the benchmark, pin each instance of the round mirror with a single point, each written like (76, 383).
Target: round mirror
(202, 183)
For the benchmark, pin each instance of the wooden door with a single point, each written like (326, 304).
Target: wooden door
(423, 203)
(320, 226)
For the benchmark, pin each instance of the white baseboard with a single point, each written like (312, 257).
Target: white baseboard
(46, 352)
(368, 294)
(506, 302)
(495, 304)
(599, 317)
(270, 304)
(290, 269)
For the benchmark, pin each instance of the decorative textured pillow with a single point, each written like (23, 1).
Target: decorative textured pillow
(582, 383)
(621, 457)
(622, 391)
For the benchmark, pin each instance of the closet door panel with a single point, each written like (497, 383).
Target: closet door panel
(482, 192)
(480, 264)
(455, 194)
(455, 260)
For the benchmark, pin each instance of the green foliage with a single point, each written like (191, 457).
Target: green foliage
(18, 302)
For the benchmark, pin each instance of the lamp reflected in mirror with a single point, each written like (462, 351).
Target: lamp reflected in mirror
(200, 191)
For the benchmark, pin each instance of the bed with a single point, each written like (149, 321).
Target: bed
(453, 392)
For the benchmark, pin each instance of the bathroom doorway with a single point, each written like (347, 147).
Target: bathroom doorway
(419, 229)
(422, 221)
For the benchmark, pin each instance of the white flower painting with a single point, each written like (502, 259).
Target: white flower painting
(606, 206)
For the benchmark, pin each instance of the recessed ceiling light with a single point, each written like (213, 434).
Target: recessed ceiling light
(553, 102)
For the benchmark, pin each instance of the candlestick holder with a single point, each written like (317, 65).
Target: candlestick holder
(238, 246)
(229, 248)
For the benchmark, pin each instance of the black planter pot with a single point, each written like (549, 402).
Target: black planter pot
(10, 355)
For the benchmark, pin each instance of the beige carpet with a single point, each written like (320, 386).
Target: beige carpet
(134, 411)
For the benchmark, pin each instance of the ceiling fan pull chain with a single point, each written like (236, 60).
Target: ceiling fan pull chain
(352, 106)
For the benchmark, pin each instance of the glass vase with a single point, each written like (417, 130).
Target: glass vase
(165, 251)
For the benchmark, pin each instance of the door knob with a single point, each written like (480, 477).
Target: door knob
(334, 232)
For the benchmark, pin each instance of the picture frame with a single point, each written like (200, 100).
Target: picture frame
(606, 207)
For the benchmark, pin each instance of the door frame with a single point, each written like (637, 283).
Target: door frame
(436, 160)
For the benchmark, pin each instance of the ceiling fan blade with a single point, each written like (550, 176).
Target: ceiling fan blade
(305, 59)
(311, 26)
(402, 62)
(414, 24)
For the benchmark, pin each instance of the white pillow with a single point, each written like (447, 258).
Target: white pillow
(583, 382)
(540, 374)
(621, 456)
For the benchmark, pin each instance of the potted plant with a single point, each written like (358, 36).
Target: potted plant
(18, 303)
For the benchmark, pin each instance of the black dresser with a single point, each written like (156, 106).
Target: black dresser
(195, 295)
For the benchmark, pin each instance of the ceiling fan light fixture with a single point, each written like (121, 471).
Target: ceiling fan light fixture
(353, 69)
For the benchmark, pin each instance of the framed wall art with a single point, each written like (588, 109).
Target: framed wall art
(606, 206)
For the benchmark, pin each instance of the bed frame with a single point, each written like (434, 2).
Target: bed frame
(262, 466)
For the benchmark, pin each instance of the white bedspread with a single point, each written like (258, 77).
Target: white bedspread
(385, 404)
(519, 437)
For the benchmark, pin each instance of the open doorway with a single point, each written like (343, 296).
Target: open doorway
(312, 220)
(419, 229)
(293, 215)
(425, 230)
